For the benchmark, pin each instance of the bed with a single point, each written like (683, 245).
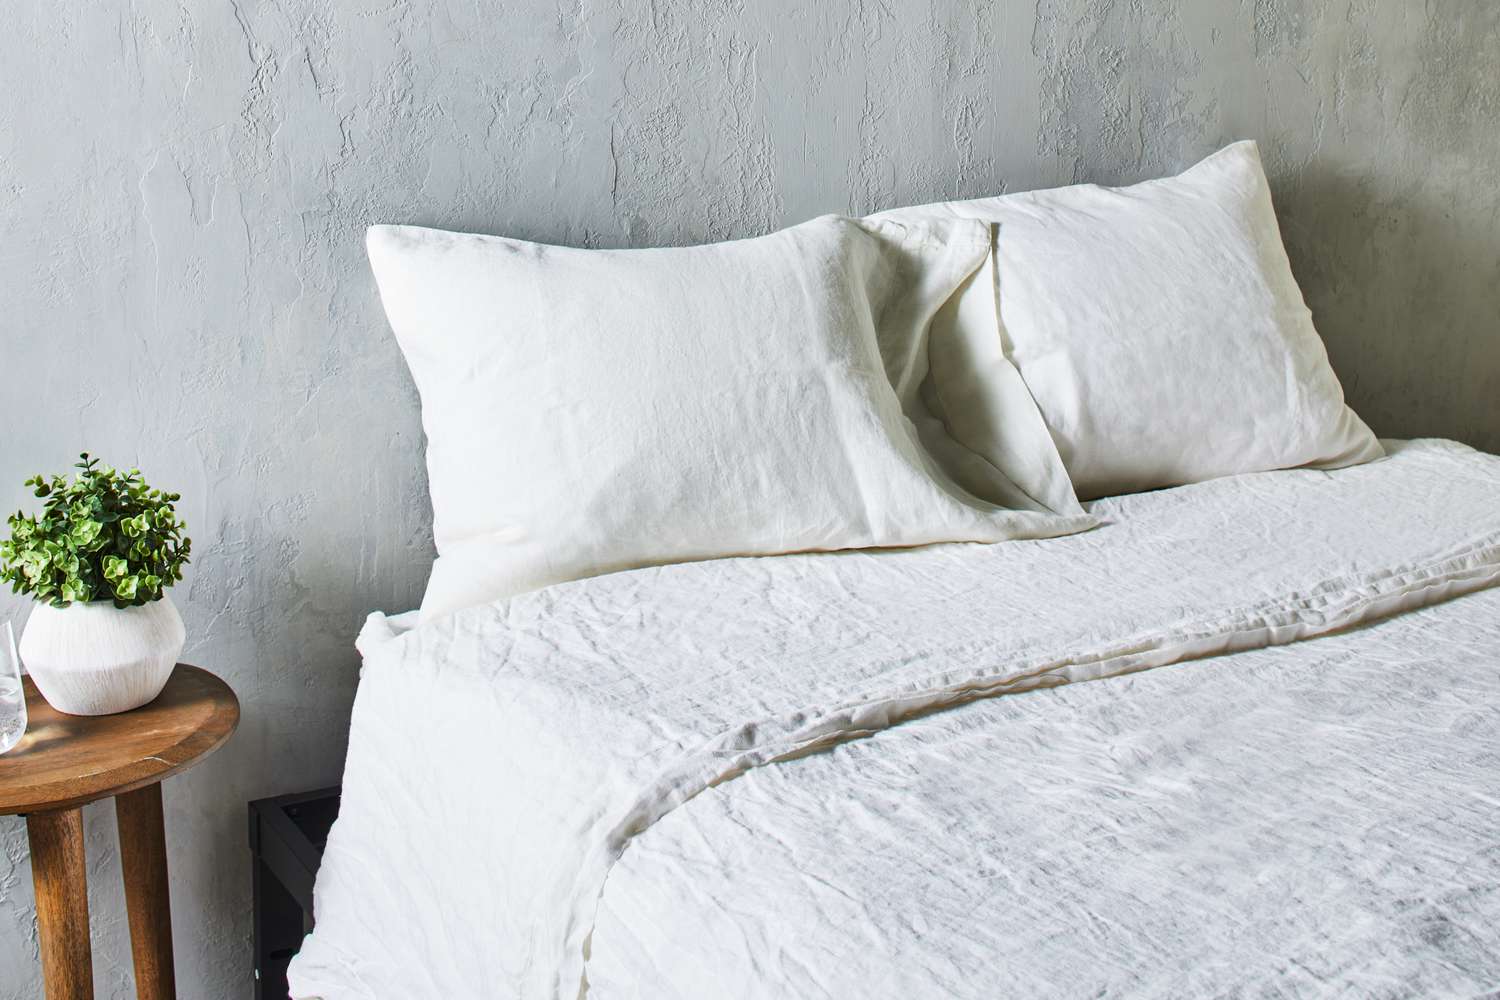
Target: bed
(882, 774)
(771, 651)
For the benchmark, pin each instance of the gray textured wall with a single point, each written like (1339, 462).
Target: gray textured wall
(183, 189)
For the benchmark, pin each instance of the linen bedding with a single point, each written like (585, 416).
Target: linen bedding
(645, 782)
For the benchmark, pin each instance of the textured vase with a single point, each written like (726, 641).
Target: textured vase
(97, 659)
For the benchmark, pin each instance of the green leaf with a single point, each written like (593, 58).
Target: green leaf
(86, 532)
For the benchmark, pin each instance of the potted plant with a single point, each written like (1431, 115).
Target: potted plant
(103, 636)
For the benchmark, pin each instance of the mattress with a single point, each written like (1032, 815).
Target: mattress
(875, 773)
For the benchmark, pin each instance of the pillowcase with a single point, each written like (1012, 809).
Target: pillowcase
(971, 408)
(589, 411)
(1158, 328)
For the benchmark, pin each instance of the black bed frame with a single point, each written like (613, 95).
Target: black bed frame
(287, 836)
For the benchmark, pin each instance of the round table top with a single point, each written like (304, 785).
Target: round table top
(64, 761)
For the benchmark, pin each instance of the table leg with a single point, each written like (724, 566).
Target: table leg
(143, 858)
(62, 903)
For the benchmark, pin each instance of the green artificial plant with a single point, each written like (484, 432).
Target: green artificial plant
(105, 536)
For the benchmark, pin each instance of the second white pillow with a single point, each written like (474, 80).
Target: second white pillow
(1158, 328)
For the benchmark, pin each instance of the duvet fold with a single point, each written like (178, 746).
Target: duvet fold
(502, 760)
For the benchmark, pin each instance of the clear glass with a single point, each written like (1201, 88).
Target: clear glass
(12, 695)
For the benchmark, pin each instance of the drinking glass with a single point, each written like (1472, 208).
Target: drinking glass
(12, 696)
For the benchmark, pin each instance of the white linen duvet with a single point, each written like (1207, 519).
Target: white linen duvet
(652, 784)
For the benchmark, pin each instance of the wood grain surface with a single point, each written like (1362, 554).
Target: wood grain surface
(59, 877)
(64, 761)
(143, 861)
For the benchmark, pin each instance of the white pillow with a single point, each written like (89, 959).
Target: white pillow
(1158, 328)
(594, 410)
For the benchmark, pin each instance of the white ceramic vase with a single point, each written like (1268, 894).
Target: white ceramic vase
(97, 659)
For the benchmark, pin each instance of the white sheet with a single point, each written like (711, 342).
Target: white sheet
(500, 762)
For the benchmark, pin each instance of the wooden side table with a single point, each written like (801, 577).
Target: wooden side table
(66, 761)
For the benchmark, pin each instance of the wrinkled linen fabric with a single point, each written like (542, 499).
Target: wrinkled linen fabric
(1313, 820)
(973, 411)
(589, 411)
(501, 760)
(1158, 328)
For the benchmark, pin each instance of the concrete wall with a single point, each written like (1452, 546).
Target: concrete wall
(183, 189)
